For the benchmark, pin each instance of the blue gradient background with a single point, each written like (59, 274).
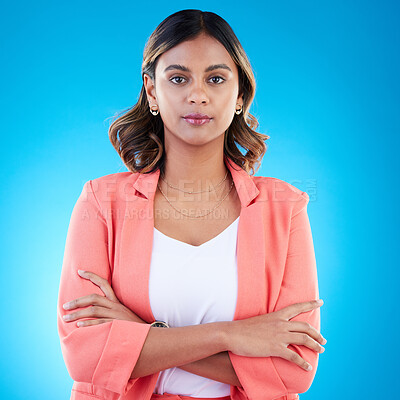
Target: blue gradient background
(327, 94)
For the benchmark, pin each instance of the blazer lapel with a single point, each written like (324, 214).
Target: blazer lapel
(250, 247)
(136, 245)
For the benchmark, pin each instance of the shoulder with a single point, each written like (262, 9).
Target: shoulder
(281, 194)
(115, 178)
(111, 187)
(270, 185)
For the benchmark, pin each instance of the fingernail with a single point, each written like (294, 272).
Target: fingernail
(324, 341)
(81, 271)
(309, 367)
(66, 306)
(320, 301)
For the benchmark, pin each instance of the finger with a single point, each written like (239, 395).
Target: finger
(292, 356)
(89, 322)
(90, 312)
(300, 326)
(100, 282)
(298, 308)
(305, 340)
(90, 299)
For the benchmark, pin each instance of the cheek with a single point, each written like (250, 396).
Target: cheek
(170, 110)
(166, 97)
(226, 112)
(228, 100)
(227, 109)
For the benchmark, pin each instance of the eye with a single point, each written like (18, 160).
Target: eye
(176, 77)
(221, 79)
(218, 77)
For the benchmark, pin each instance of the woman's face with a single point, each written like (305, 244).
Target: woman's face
(196, 76)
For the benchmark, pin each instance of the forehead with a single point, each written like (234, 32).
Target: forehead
(196, 54)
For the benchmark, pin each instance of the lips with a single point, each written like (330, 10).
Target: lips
(197, 119)
(197, 116)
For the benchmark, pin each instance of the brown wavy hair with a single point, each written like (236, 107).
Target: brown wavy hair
(138, 136)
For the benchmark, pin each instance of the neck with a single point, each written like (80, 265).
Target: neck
(195, 169)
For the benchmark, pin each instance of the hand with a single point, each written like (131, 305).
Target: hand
(105, 309)
(269, 334)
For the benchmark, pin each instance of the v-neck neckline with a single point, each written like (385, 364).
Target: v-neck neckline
(203, 244)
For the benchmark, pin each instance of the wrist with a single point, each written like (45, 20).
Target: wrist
(159, 324)
(224, 329)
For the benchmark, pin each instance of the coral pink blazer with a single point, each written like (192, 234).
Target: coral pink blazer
(111, 233)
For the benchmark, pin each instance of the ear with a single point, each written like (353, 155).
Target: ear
(150, 88)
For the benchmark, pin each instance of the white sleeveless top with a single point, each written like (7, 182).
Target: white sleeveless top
(191, 285)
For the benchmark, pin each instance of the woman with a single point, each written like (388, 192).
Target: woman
(200, 278)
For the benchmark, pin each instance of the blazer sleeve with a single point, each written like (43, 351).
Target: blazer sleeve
(104, 354)
(277, 376)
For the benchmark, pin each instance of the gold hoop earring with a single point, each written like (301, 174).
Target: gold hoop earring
(154, 111)
(240, 110)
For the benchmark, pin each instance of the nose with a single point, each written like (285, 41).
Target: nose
(197, 94)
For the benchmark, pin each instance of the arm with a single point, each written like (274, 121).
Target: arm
(167, 348)
(276, 376)
(103, 354)
(217, 367)
(300, 283)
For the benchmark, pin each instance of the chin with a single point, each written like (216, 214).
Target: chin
(196, 138)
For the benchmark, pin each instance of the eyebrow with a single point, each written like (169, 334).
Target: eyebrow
(208, 69)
